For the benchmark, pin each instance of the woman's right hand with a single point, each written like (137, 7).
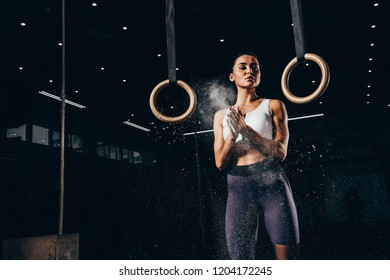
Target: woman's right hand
(230, 122)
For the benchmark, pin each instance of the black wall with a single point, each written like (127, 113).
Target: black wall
(173, 208)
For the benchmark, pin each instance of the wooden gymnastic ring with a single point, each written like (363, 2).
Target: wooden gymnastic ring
(162, 117)
(325, 76)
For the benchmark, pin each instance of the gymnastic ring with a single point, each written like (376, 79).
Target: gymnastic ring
(325, 76)
(162, 117)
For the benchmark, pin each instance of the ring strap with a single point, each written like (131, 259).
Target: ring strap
(171, 42)
(296, 13)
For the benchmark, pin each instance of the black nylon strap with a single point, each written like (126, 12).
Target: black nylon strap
(296, 13)
(171, 44)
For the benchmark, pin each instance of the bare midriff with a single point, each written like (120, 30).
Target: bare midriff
(246, 154)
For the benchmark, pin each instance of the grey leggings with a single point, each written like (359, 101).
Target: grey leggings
(253, 189)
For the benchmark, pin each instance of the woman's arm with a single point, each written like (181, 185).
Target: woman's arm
(222, 148)
(277, 147)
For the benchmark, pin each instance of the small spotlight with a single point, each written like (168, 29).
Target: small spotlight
(20, 68)
(94, 4)
(124, 27)
(373, 26)
(23, 24)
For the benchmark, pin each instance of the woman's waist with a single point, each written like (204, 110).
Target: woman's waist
(248, 157)
(248, 168)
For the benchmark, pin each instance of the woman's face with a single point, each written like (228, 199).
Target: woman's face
(246, 72)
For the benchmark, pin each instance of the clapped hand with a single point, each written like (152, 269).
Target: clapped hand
(235, 120)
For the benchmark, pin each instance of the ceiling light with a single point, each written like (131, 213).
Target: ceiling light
(373, 26)
(20, 68)
(124, 81)
(23, 24)
(102, 68)
(305, 117)
(376, 4)
(198, 132)
(124, 27)
(136, 126)
(222, 40)
(59, 99)
(94, 4)
(372, 44)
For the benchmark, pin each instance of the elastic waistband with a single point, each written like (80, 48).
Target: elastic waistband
(255, 168)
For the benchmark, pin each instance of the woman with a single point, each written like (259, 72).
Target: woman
(250, 141)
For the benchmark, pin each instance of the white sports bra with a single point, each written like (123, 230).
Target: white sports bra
(259, 119)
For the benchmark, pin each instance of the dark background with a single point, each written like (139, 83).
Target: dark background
(170, 205)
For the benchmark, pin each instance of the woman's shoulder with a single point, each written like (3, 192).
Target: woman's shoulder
(276, 103)
(277, 106)
(220, 114)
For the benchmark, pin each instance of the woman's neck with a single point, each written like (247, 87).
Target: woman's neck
(245, 97)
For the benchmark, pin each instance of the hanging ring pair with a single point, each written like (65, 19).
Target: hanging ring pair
(325, 76)
(191, 108)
